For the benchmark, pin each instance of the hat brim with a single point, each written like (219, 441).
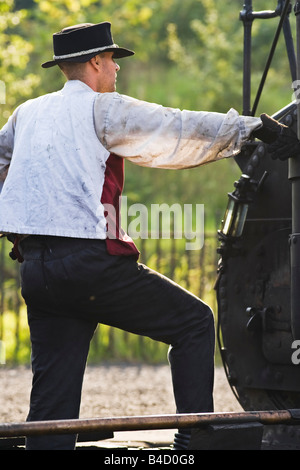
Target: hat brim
(119, 53)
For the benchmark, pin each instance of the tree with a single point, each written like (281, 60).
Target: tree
(17, 82)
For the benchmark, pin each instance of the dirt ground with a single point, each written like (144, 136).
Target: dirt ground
(113, 390)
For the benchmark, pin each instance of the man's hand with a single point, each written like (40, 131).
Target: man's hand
(282, 140)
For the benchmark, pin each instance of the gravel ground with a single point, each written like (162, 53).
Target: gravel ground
(113, 390)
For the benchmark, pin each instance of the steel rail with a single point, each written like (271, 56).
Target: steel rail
(139, 423)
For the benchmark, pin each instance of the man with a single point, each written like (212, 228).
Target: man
(63, 154)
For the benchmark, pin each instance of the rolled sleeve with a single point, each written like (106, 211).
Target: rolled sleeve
(151, 135)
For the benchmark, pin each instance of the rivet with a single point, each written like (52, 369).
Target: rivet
(250, 170)
(255, 160)
(261, 150)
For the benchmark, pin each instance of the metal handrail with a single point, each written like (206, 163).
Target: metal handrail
(138, 423)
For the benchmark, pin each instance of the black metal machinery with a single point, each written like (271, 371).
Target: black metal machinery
(258, 287)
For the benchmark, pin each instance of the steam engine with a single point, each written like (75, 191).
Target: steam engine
(260, 352)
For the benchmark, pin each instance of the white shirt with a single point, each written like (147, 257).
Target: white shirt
(55, 148)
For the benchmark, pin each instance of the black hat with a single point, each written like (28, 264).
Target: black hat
(81, 42)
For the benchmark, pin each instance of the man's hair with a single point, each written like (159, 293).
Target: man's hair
(73, 70)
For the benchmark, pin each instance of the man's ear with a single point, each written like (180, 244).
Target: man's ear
(95, 62)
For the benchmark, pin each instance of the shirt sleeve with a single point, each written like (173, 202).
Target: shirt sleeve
(151, 135)
(7, 134)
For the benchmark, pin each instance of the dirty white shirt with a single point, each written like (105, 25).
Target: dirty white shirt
(55, 149)
(155, 136)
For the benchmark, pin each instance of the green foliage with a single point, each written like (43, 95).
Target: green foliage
(15, 50)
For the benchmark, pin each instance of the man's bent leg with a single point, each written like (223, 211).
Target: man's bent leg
(149, 304)
(143, 302)
(59, 352)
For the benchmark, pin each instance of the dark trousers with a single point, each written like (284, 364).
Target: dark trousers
(70, 286)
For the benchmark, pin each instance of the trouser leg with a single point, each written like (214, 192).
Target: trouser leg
(59, 351)
(192, 374)
(92, 285)
(137, 299)
(156, 307)
(192, 362)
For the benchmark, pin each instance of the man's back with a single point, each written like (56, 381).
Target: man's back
(57, 168)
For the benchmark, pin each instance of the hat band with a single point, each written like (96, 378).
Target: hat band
(89, 51)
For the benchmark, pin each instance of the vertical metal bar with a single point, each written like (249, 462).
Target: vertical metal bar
(297, 13)
(294, 176)
(246, 17)
(290, 47)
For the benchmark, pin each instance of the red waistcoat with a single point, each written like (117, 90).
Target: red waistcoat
(117, 241)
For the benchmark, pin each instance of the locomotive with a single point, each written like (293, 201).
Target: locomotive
(258, 285)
